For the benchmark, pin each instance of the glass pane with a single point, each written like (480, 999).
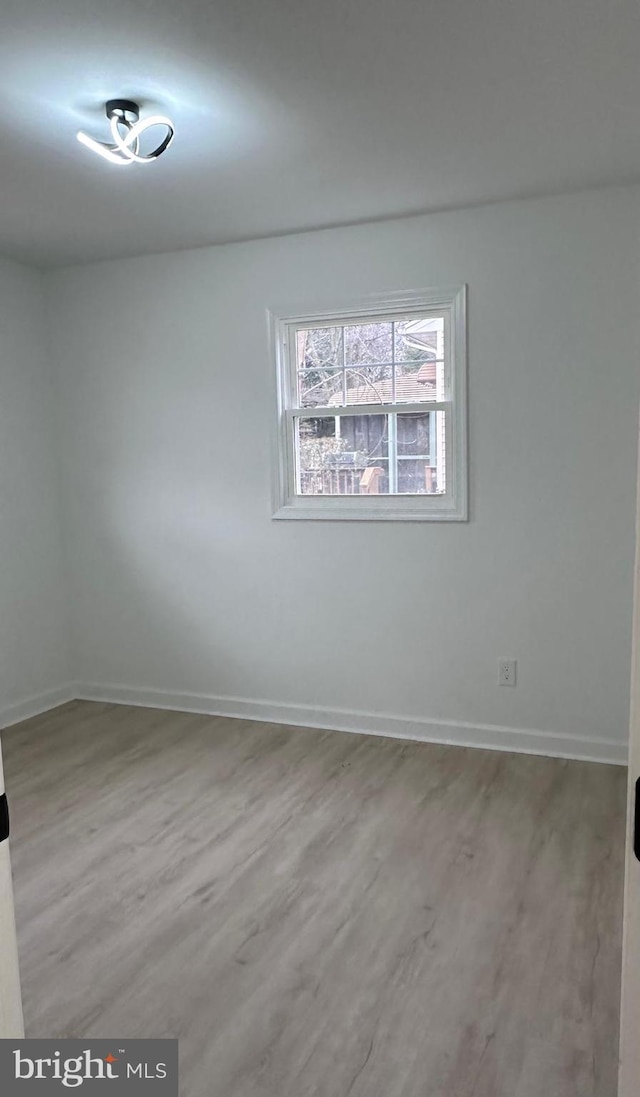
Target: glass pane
(368, 343)
(419, 353)
(372, 454)
(417, 478)
(419, 338)
(319, 387)
(415, 434)
(421, 451)
(369, 384)
(318, 347)
(348, 455)
(416, 384)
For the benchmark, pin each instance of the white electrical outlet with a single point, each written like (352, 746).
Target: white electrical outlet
(507, 672)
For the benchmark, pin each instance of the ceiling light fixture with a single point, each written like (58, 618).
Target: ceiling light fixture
(126, 131)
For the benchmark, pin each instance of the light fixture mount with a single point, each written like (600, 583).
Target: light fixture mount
(125, 109)
(126, 131)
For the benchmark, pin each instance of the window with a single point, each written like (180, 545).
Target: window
(371, 406)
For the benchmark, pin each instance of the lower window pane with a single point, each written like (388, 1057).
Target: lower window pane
(420, 453)
(347, 455)
(392, 454)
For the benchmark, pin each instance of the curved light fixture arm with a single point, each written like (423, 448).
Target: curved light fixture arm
(123, 114)
(130, 145)
(120, 144)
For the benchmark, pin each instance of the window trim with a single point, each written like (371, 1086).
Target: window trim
(453, 505)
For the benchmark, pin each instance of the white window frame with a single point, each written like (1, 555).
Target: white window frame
(451, 506)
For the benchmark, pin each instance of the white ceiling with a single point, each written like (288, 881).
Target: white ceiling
(297, 114)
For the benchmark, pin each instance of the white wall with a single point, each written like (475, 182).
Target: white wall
(183, 583)
(34, 655)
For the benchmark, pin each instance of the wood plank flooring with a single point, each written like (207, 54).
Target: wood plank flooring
(316, 913)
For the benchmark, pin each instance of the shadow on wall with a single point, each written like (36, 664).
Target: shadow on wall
(153, 623)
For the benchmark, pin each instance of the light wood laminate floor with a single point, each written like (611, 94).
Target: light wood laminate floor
(316, 913)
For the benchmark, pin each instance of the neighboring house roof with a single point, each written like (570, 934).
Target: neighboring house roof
(414, 389)
(427, 372)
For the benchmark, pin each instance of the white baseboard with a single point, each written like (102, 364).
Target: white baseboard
(489, 736)
(35, 706)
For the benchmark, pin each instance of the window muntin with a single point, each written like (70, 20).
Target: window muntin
(372, 413)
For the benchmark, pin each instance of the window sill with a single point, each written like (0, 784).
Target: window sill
(392, 510)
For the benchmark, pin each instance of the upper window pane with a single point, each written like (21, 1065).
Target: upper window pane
(419, 339)
(319, 347)
(382, 362)
(367, 343)
(369, 384)
(318, 387)
(419, 357)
